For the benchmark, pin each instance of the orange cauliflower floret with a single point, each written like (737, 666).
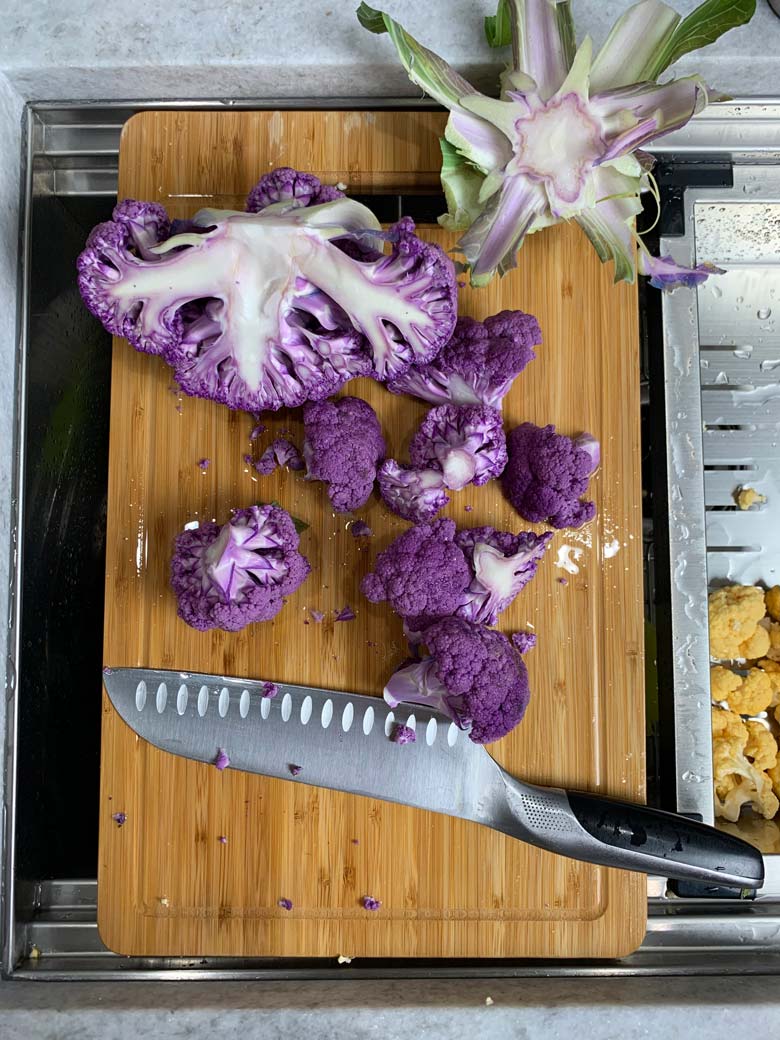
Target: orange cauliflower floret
(761, 747)
(773, 653)
(735, 612)
(772, 669)
(763, 834)
(737, 780)
(748, 496)
(772, 600)
(757, 645)
(774, 776)
(723, 682)
(745, 696)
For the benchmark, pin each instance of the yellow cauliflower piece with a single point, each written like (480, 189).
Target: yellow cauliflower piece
(774, 776)
(748, 496)
(772, 600)
(761, 747)
(737, 781)
(773, 653)
(757, 645)
(723, 682)
(735, 612)
(762, 834)
(753, 695)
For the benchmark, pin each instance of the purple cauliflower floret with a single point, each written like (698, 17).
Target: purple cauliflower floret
(147, 224)
(472, 674)
(265, 310)
(465, 442)
(546, 475)
(285, 184)
(422, 573)
(414, 494)
(279, 452)
(478, 365)
(231, 576)
(343, 446)
(524, 641)
(501, 565)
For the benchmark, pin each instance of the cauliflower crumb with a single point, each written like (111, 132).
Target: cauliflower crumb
(488, 1001)
(772, 600)
(735, 612)
(344, 960)
(748, 496)
(369, 903)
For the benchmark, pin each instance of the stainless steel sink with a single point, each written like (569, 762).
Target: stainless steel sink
(720, 181)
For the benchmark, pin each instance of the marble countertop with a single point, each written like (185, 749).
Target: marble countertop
(81, 49)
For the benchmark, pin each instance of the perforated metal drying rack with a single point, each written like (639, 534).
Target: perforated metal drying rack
(711, 422)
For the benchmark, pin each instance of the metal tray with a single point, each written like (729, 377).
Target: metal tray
(728, 157)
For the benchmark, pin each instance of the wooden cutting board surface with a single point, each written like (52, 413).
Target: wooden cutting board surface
(167, 884)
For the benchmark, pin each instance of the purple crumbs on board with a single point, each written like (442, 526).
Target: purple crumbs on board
(270, 689)
(295, 770)
(524, 641)
(360, 529)
(316, 615)
(403, 734)
(222, 839)
(221, 761)
(119, 818)
(369, 903)
(346, 614)
(204, 464)
(285, 904)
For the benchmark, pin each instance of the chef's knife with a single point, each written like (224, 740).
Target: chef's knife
(342, 741)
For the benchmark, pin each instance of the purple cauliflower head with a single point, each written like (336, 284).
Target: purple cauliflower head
(265, 310)
(501, 565)
(287, 185)
(472, 674)
(465, 442)
(422, 573)
(546, 475)
(343, 446)
(231, 576)
(414, 494)
(478, 365)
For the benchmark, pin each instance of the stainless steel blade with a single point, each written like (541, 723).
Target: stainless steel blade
(339, 740)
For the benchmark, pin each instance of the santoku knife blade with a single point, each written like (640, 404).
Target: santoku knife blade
(342, 741)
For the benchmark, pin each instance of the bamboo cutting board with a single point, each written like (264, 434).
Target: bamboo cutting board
(167, 884)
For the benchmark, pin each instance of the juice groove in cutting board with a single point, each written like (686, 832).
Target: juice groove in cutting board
(167, 885)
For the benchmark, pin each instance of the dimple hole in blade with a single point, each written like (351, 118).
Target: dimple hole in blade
(368, 720)
(411, 722)
(347, 716)
(224, 702)
(162, 697)
(389, 723)
(181, 699)
(140, 696)
(243, 704)
(452, 734)
(430, 732)
(265, 707)
(306, 709)
(286, 707)
(203, 700)
(327, 713)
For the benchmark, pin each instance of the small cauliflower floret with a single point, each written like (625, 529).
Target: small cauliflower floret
(343, 446)
(723, 682)
(547, 474)
(478, 365)
(290, 187)
(772, 669)
(230, 576)
(773, 653)
(735, 611)
(422, 574)
(414, 494)
(753, 695)
(762, 834)
(757, 645)
(466, 443)
(472, 673)
(501, 565)
(772, 600)
(748, 496)
(761, 747)
(738, 782)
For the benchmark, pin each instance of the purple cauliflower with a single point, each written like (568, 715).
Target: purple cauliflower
(279, 452)
(343, 446)
(478, 365)
(265, 310)
(501, 565)
(285, 185)
(414, 494)
(422, 573)
(231, 576)
(547, 473)
(465, 442)
(472, 674)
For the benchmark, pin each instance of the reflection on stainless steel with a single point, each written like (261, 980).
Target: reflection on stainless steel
(72, 161)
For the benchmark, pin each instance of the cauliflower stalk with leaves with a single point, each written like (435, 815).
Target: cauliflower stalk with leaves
(564, 140)
(273, 308)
